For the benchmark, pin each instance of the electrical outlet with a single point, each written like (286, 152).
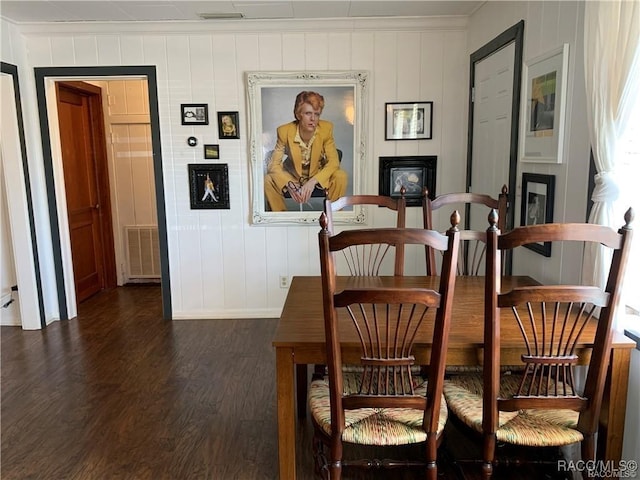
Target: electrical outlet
(284, 281)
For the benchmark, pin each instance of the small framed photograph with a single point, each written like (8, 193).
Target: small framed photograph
(413, 173)
(228, 125)
(408, 121)
(209, 186)
(543, 111)
(194, 114)
(212, 152)
(537, 205)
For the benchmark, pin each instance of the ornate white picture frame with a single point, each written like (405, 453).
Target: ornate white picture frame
(271, 97)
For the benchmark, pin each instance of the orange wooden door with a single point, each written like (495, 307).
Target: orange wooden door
(84, 163)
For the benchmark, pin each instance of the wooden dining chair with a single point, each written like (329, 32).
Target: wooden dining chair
(383, 400)
(365, 260)
(543, 405)
(358, 260)
(473, 248)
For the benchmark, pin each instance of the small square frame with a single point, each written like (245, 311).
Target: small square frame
(212, 152)
(228, 125)
(537, 205)
(408, 121)
(194, 113)
(218, 197)
(413, 172)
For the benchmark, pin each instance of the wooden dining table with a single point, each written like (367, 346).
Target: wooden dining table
(299, 341)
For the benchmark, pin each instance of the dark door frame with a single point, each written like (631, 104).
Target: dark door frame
(41, 75)
(12, 70)
(512, 34)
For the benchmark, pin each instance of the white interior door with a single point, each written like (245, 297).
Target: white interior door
(492, 106)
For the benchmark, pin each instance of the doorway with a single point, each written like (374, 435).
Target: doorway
(46, 79)
(494, 117)
(86, 179)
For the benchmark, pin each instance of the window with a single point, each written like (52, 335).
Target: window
(629, 151)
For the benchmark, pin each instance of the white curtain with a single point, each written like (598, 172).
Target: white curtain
(612, 74)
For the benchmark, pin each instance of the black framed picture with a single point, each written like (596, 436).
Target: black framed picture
(211, 152)
(537, 205)
(412, 172)
(194, 113)
(228, 125)
(408, 121)
(209, 186)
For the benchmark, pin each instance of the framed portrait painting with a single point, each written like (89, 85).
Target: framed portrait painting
(208, 186)
(323, 143)
(543, 114)
(537, 205)
(412, 172)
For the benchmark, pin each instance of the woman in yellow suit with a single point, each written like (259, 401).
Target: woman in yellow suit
(305, 157)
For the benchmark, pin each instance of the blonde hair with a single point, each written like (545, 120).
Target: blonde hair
(312, 98)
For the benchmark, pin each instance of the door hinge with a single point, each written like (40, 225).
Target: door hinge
(473, 94)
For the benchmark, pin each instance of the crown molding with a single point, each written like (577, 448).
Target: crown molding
(200, 27)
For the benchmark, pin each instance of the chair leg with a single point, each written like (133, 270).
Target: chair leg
(335, 471)
(320, 458)
(431, 446)
(588, 452)
(488, 455)
(432, 471)
(335, 462)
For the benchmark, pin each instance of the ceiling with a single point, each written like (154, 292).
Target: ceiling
(26, 11)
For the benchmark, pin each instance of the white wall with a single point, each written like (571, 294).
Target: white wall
(12, 50)
(220, 266)
(548, 25)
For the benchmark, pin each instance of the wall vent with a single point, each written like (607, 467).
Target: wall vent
(143, 252)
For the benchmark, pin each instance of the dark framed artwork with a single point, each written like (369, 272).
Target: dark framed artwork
(211, 152)
(194, 114)
(537, 205)
(408, 121)
(272, 97)
(412, 172)
(209, 186)
(228, 125)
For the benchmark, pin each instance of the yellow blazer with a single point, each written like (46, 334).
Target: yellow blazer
(324, 157)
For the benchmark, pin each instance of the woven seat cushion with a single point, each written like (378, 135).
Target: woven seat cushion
(373, 426)
(478, 368)
(534, 428)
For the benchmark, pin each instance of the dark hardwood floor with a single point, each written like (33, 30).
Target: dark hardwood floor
(119, 393)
